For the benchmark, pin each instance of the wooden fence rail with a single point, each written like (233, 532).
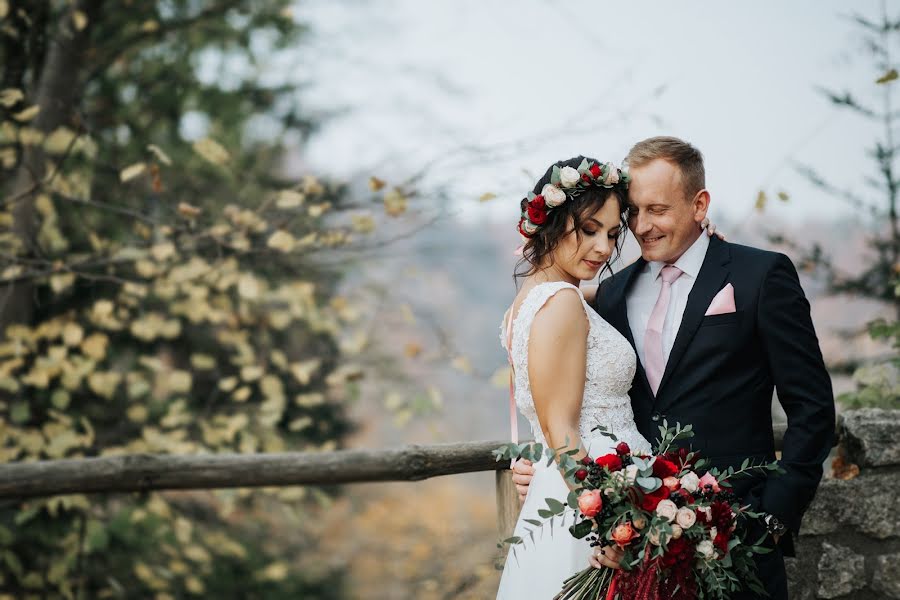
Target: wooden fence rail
(144, 472)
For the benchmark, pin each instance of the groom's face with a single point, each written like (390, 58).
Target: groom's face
(662, 219)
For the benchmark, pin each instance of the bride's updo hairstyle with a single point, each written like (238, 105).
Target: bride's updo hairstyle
(546, 211)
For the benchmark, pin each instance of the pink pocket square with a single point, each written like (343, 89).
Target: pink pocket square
(723, 303)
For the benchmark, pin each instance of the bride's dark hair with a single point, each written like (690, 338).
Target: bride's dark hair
(541, 245)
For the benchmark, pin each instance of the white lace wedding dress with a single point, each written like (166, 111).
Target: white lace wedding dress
(536, 569)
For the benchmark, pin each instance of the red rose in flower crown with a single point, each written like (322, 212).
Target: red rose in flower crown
(610, 461)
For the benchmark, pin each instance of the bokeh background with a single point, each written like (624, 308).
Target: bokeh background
(258, 226)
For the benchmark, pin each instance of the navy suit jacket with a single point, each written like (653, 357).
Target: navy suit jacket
(722, 370)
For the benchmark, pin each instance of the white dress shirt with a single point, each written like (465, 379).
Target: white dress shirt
(645, 291)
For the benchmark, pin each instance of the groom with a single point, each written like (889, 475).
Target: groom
(717, 326)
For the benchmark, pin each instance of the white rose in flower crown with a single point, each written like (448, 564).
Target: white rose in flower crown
(612, 175)
(667, 510)
(690, 482)
(685, 517)
(706, 549)
(676, 532)
(553, 196)
(569, 177)
(529, 227)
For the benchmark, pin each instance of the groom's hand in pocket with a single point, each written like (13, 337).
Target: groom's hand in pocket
(523, 471)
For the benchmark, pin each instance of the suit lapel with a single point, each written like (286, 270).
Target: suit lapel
(710, 280)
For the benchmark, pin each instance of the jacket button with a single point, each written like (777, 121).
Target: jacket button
(655, 417)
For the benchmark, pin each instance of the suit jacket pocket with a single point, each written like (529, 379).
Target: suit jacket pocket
(735, 317)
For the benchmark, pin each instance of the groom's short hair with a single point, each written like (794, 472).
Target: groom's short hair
(688, 159)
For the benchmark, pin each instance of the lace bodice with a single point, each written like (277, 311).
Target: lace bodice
(611, 365)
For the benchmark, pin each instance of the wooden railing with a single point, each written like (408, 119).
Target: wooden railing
(145, 472)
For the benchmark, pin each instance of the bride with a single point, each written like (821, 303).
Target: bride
(572, 370)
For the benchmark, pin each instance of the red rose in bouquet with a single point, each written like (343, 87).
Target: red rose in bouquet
(611, 461)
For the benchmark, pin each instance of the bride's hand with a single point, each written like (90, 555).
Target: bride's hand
(710, 228)
(606, 556)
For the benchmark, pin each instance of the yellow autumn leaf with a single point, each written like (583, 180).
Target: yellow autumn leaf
(435, 396)
(282, 241)
(60, 140)
(783, 196)
(394, 203)
(95, 345)
(150, 25)
(363, 223)
(311, 186)
(79, 19)
(317, 210)
(203, 362)
(500, 378)
(891, 75)
(137, 413)
(132, 171)
(412, 349)
(212, 151)
(180, 381)
(761, 201)
(160, 155)
(61, 281)
(228, 384)
(72, 334)
(194, 585)
(289, 199)
(251, 372)
(462, 364)
(242, 394)
(277, 571)
(162, 251)
(10, 96)
(487, 196)
(188, 211)
(376, 184)
(303, 371)
(248, 287)
(4, 9)
(27, 115)
(104, 383)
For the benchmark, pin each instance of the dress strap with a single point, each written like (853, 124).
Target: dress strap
(513, 421)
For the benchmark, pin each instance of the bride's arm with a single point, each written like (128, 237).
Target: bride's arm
(557, 360)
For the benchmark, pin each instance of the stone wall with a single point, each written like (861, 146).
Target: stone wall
(849, 545)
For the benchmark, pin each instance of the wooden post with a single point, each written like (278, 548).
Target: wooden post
(507, 511)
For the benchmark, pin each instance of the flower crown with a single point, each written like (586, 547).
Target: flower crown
(567, 183)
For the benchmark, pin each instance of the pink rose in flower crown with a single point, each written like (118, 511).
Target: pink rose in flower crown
(623, 534)
(671, 483)
(708, 479)
(612, 175)
(590, 503)
(553, 196)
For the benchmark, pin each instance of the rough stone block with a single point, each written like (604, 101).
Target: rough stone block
(865, 504)
(841, 571)
(886, 577)
(870, 436)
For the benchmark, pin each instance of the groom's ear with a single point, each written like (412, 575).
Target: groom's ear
(700, 204)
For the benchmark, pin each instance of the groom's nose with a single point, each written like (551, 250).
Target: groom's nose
(641, 223)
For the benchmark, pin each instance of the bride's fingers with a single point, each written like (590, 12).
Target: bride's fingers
(602, 557)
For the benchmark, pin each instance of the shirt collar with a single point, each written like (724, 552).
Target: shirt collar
(690, 262)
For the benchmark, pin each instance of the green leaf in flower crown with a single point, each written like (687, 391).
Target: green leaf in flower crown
(580, 530)
(534, 522)
(512, 540)
(649, 484)
(544, 513)
(572, 499)
(531, 196)
(554, 176)
(538, 450)
(583, 167)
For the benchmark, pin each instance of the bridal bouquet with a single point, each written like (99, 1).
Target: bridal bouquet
(684, 535)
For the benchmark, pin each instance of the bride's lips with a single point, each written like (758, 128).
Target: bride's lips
(592, 264)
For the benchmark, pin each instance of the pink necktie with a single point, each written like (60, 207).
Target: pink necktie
(654, 363)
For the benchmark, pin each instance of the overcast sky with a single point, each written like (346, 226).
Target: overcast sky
(489, 93)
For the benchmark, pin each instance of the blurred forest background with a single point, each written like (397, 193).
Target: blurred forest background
(257, 226)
